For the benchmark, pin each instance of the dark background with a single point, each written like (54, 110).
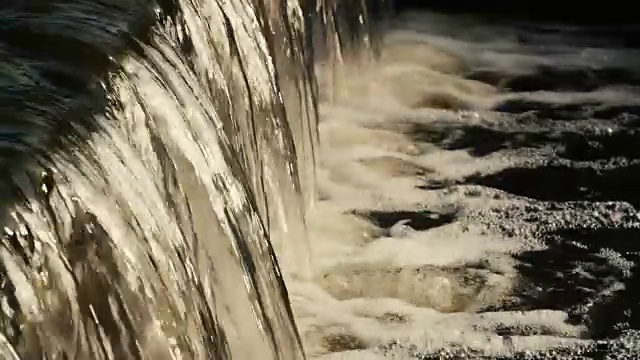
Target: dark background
(606, 19)
(587, 12)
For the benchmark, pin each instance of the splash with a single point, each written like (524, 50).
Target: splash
(160, 155)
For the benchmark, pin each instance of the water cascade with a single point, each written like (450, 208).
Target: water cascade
(158, 156)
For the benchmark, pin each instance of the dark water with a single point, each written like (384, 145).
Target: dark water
(617, 13)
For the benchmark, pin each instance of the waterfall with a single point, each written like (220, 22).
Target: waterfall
(159, 157)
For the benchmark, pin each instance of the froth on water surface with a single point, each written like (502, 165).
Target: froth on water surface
(442, 230)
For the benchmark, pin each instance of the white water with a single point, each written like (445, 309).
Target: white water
(164, 226)
(396, 292)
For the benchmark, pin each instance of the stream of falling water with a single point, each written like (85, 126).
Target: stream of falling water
(158, 155)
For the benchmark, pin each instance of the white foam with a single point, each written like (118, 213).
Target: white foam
(416, 289)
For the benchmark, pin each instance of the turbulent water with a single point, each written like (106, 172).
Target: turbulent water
(477, 196)
(265, 179)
